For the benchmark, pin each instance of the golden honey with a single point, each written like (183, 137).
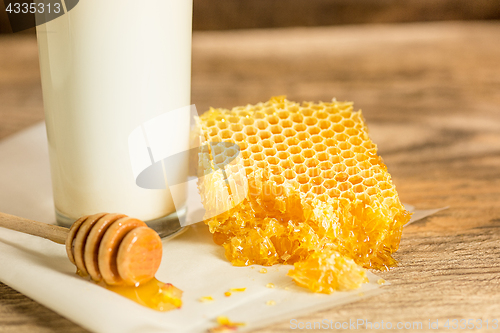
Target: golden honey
(153, 294)
(306, 180)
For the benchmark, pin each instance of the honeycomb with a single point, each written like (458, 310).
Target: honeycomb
(328, 271)
(281, 181)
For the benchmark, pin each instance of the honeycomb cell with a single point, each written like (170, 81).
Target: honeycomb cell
(270, 151)
(292, 141)
(283, 155)
(261, 124)
(305, 144)
(361, 157)
(283, 114)
(236, 127)
(331, 143)
(322, 156)
(317, 181)
(289, 132)
(324, 124)
(318, 190)
(300, 169)
(341, 177)
(321, 115)
(247, 121)
(359, 150)
(330, 183)
(250, 130)
(273, 120)
(279, 138)
(303, 136)
(264, 135)
(267, 143)
(253, 139)
(327, 174)
(298, 159)
(226, 134)
(307, 112)
(313, 130)
(341, 137)
(327, 133)
(355, 141)
(316, 139)
(303, 179)
(356, 179)
(353, 171)
(259, 115)
(369, 182)
(343, 187)
(338, 128)
(222, 125)
(352, 132)
(230, 152)
(313, 172)
(297, 118)
(326, 165)
(261, 164)
(294, 150)
(310, 121)
(286, 164)
(259, 157)
(281, 146)
(348, 123)
(308, 153)
(299, 127)
(334, 193)
(360, 188)
(286, 123)
(311, 162)
(276, 129)
(339, 167)
(239, 136)
(290, 174)
(319, 147)
(243, 145)
(305, 188)
(335, 118)
(245, 155)
(273, 160)
(256, 149)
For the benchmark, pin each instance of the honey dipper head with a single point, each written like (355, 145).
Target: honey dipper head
(114, 248)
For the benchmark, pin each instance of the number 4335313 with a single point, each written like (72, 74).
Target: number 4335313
(33, 8)
(470, 324)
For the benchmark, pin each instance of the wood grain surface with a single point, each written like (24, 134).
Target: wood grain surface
(430, 95)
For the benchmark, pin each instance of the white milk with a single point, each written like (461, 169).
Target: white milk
(107, 66)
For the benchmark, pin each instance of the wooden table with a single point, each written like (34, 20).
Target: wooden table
(430, 94)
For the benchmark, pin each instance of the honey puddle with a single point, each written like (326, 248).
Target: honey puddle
(153, 294)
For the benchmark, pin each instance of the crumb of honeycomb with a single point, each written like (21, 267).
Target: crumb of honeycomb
(225, 325)
(305, 179)
(206, 299)
(328, 271)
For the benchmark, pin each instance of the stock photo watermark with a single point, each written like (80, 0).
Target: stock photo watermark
(364, 324)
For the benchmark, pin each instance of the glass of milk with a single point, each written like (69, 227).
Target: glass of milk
(108, 67)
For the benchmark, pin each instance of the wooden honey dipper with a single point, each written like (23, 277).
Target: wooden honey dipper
(113, 248)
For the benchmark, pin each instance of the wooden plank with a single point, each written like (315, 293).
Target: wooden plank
(429, 93)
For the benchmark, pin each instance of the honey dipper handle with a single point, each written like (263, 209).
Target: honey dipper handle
(52, 232)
